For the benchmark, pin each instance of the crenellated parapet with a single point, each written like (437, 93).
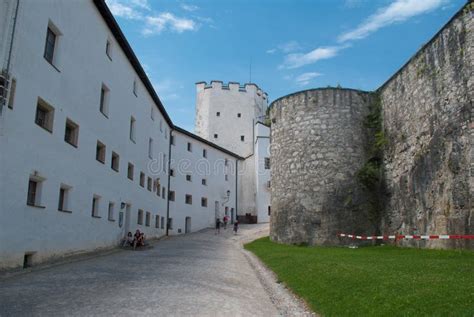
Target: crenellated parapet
(231, 86)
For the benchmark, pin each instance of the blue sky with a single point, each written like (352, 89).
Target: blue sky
(291, 45)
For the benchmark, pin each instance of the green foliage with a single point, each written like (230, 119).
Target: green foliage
(374, 281)
(369, 174)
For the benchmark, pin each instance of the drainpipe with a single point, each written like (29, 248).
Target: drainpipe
(236, 188)
(169, 180)
(11, 48)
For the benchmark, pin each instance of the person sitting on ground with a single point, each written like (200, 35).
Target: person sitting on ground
(137, 239)
(127, 240)
(142, 239)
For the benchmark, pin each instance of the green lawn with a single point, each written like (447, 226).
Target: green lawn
(374, 281)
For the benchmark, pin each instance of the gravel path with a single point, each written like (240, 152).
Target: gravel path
(199, 274)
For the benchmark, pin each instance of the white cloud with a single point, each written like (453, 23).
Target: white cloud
(189, 7)
(272, 51)
(123, 9)
(287, 47)
(142, 4)
(167, 20)
(397, 11)
(305, 78)
(299, 59)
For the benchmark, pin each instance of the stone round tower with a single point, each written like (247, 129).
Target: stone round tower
(318, 144)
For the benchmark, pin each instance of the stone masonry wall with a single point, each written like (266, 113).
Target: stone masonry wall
(427, 111)
(318, 144)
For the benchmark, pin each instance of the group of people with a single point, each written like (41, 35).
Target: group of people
(220, 223)
(136, 240)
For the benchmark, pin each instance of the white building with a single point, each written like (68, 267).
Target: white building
(230, 115)
(86, 146)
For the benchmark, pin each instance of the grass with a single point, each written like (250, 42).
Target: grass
(374, 281)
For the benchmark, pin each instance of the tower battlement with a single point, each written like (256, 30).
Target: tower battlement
(231, 86)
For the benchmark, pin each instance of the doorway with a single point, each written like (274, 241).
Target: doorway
(187, 225)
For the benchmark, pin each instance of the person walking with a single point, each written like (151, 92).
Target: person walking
(226, 220)
(218, 226)
(236, 227)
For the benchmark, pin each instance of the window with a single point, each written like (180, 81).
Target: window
(170, 223)
(71, 132)
(226, 177)
(108, 49)
(190, 147)
(226, 162)
(161, 125)
(142, 179)
(269, 210)
(63, 201)
(157, 221)
(204, 153)
(157, 187)
(44, 115)
(147, 218)
(171, 172)
(111, 211)
(150, 148)
(218, 114)
(152, 113)
(171, 195)
(140, 217)
(188, 178)
(104, 100)
(188, 199)
(50, 45)
(204, 181)
(163, 192)
(149, 183)
(267, 163)
(130, 171)
(215, 136)
(95, 206)
(34, 192)
(132, 129)
(242, 138)
(135, 88)
(239, 115)
(162, 222)
(100, 152)
(172, 139)
(114, 163)
(203, 202)
(166, 133)
(11, 97)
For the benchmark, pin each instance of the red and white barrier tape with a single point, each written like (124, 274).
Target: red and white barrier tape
(406, 236)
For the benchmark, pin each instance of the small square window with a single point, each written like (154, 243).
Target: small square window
(216, 136)
(172, 139)
(162, 222)
(188, 199)
(111, 211)
(218, 114)
(204, 153)
(163, 192)
(157, 187)
(142, 179)
(11, 94)
(242, 138)
(100, 152)
(140, 217)
(108, 49)
(269, 210)
(152, 113)
(267, 163)
(50, 45)
(190, 147)
(188, 178)
(44, 115)
(150, 148)
(147, 219)
(239, 115)
(157, 221)
(130, 171)
(203, 202)
(171, 195)
(204, 181)
(34, 192)
(132, 129)
(170, 223)
(115, 161)
(95, 206)
(149, 183)
(226, 162)
(171, 172)
(226, 177)
(104, 100)
(71, 132)
(135, 88)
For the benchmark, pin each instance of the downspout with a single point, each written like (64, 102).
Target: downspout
(11, 48)
(236, 188)
(169, 180)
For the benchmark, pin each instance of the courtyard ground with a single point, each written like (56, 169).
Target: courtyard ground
(374, 281)
(197, 274)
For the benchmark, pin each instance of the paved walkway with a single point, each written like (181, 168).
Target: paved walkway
(199, 274)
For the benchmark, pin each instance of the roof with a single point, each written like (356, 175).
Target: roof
(194, 136)
(127, 49)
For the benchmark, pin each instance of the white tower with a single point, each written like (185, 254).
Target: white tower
(226, 114)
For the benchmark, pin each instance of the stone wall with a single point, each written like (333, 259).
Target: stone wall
(318, 144)
(427, 111)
